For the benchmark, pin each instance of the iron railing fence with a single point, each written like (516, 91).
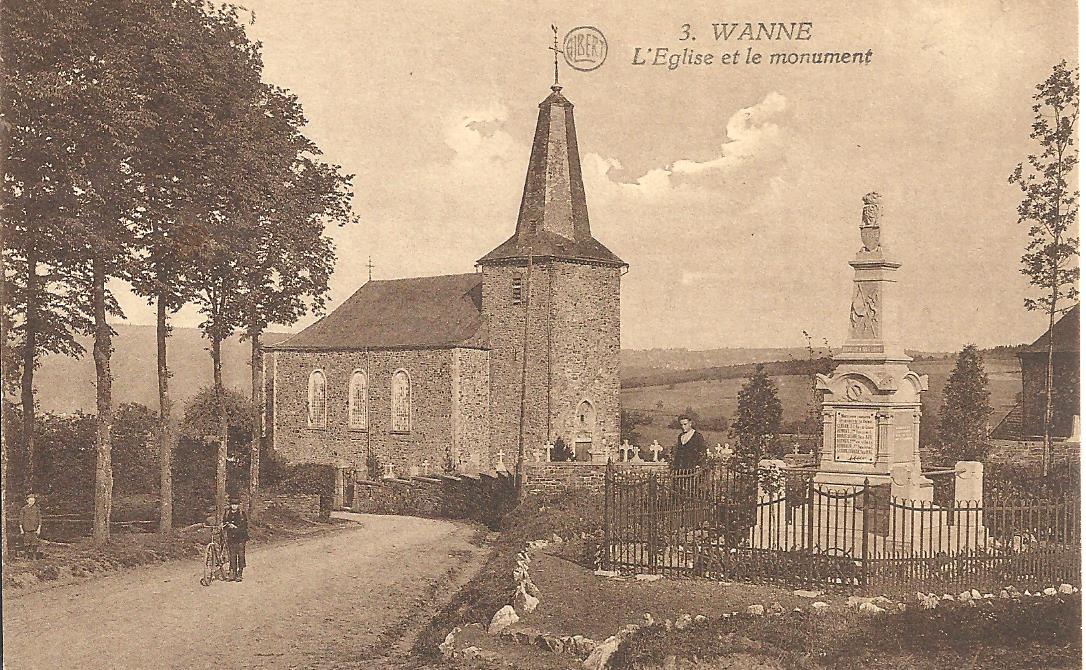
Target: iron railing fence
(718, 523)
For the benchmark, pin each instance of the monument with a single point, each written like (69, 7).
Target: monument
(871, 401)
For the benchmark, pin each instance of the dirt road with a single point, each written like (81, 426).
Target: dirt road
(350, 599)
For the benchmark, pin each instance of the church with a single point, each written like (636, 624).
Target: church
(450, 373)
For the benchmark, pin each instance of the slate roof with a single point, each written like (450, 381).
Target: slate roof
(414, 313)
(1065, 336)
(553, 218)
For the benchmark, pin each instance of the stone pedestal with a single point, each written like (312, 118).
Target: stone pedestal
(871, 401)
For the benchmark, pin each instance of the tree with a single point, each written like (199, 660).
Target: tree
(1050, 207)
(198, 49)
(286, 259)
(42, 301)
(758, 419)
(817, 365)
(77, 69)
(963, 418)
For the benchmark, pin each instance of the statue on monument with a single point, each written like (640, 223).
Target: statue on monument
(864, 316)
(869, 223)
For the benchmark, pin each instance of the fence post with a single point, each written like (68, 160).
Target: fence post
(651, 518)
(866, 526)
(607, 516)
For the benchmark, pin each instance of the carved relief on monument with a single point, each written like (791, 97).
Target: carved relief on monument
(869, 222)
(864, 315)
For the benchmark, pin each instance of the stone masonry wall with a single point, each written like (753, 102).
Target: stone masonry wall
(471, 409)
(430, 436)
(484, 497)
(1023, 452)
(562, 476)
(585, 351)
(573, 345)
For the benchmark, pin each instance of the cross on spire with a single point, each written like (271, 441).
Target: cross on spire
(370, 266)
(556, 51)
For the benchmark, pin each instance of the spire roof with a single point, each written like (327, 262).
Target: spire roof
(553, 219)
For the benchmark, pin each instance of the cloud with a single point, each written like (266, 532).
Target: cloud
(752, 137)
(477, 136)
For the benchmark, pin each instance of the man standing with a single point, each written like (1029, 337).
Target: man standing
(30, 526)
(236, 526)
(690, 449)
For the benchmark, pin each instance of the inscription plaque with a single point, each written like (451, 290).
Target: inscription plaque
(855, 438)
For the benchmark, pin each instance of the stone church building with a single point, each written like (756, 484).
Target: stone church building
(429, 374)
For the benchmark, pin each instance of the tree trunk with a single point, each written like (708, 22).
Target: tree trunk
(257, 414)
(1046, 448)
(30, 354)
(5, 143)
(224, 435)
(165, 433)
(103, 476)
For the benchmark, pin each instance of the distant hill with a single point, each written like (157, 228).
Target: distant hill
(678, 366)
(67, 384)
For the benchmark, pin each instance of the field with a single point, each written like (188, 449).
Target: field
(715, 400)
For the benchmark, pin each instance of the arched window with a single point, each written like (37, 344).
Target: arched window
(358, 402)
(318, 400)
(401, 402)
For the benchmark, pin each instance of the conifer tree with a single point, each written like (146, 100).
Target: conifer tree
(963, 418)
(758, 419)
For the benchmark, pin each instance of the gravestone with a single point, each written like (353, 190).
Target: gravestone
(655, 449)
(871, 401)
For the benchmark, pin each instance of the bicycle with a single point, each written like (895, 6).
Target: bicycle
(216, 560)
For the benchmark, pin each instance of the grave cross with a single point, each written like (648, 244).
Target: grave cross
(655, 449)
(501, 460)
(625, 449)
(388, 471)
(548, 447)
(426, 467)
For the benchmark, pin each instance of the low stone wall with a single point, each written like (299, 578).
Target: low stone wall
(561, 476)
(304, 504)
(485, 497)
(1023, 452)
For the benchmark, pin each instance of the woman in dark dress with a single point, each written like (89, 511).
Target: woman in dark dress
(690, 449)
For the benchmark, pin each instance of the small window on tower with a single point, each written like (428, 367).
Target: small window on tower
(518, 290)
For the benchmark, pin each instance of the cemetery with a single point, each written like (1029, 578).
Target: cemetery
(864, 512)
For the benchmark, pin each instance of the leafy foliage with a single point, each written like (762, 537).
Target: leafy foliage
(758, 419)
(963, 418)
(1049, 207)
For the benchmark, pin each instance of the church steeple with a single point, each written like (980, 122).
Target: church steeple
(553, 218)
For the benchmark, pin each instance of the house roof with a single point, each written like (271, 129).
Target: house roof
(414, 313)
(1065, 336)
(553, 218)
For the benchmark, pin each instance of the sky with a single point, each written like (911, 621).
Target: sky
(733, 191)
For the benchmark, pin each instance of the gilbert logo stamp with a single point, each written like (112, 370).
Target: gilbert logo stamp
(585, 48)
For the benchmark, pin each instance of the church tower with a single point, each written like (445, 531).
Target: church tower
(551, 299)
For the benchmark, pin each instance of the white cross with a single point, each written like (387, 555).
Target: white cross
(388, 471)
(501, 459)
(625, 449)
(548, 447)
(656, 449)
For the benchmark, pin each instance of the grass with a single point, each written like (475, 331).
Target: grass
(566, 514)
(716, 399)
(77, 560)
(1009, 634)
